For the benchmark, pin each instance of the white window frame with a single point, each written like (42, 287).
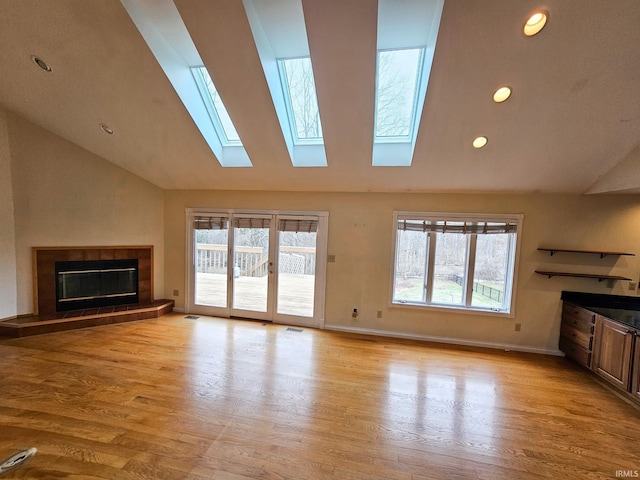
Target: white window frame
(214, 115)
(512, 274)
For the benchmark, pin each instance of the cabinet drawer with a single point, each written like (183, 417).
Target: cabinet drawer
(584, 326)
(575, 352)
(578, 318)
(576, 336)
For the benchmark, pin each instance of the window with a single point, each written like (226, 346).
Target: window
(288, 70)
(455, 260)
(219, 117)
(300, 95)
(396, 87)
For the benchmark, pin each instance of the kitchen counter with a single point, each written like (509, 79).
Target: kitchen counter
(620, 315)
(602, 334)
(624, 310)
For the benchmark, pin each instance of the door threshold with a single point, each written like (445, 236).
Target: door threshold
(234, 317)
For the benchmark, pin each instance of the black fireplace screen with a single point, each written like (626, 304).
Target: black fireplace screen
(96, 283)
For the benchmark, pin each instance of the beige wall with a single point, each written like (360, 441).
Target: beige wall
(360, 232)
(8, 294)
(53, 193)
(67, 196)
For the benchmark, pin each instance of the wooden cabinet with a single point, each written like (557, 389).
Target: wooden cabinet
(611, 349)
(576, 333)
(635, 368)
(612, 353)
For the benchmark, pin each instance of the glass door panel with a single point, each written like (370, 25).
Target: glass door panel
(252, 266)
(296, 266)
(211, 251)
(263, 266)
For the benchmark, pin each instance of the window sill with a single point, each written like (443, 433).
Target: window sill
(452, 309)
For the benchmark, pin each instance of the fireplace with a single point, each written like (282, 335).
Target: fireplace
(84, 268)
(95, 283)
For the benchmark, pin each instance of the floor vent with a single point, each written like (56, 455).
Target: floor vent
(291, 329)
(191, 317)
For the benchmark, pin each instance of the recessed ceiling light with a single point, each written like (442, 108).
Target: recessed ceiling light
(535, 23)
(106, 128)
(40, 63)
(480, 142)
(501, 94)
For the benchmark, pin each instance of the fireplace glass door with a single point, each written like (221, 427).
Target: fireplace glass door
(96, 283)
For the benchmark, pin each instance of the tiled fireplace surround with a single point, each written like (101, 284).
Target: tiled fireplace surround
(44, 260)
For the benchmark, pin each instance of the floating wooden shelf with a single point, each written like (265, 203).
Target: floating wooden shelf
(581, 275)
(553, 251)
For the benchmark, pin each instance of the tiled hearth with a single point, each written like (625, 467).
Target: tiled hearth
(46, 319)
(26, 325)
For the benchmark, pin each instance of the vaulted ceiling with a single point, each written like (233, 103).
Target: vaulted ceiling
(571, 125)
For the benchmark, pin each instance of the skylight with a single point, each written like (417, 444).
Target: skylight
(407, 34)
(280, 35)
(300, 94)
(162, 28)
(219, 116)
(396, 87)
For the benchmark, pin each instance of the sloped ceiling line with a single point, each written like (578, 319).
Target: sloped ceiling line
(545, 138)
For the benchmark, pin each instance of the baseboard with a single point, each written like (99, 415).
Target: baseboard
(447, 340)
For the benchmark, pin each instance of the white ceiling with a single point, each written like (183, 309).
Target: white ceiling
(571, 125)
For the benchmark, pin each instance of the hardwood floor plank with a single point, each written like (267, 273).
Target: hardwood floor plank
(229, 399)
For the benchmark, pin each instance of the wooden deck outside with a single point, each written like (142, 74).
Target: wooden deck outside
(173, 398)
(295, 292)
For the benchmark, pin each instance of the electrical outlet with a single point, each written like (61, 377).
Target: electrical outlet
(517, 327)
(632, 286)
(176, 293)
(355, 313)
(379, 314)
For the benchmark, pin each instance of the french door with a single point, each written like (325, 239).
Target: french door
(260, 265)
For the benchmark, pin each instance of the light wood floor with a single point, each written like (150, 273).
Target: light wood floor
(172, 398)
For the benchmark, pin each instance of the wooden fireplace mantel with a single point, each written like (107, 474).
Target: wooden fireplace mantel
(45, 258)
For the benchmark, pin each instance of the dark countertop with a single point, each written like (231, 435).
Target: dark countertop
(624, 310)
(627, 317)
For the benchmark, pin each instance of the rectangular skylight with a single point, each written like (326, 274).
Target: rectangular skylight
(397, 83)
(162, 28)
(296, 75)
(406, 42)
(220, 118)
